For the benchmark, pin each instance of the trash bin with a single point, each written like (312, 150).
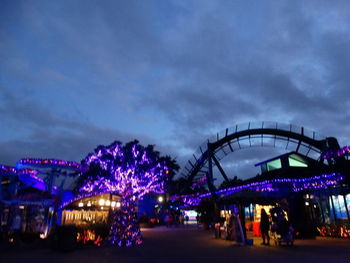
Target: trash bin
(217, 230)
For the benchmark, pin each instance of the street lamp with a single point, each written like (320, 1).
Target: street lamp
(160, 199)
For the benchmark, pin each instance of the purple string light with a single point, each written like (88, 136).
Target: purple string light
(298, 184)
(9, 170)
(341, 152)
(130, 171)
(23, 174)
(200, 182)
(52, 162)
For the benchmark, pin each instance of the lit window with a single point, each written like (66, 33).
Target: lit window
(296, 161)
(339, 206)
(273, 165)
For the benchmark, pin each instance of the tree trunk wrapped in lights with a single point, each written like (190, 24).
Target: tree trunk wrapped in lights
(130, 170)
(125, 230)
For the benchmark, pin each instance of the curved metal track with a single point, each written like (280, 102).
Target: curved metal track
(248, 135)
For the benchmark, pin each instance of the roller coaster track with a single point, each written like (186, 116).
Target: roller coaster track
(247, 135)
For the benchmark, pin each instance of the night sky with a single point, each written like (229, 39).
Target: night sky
(76, 74)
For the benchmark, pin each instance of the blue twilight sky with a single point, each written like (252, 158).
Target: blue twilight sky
(75, 74)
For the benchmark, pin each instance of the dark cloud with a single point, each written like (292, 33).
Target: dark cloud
(173, 74)
(202, 107)
(50, 136)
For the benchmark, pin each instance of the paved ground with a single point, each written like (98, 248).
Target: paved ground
(182, 245)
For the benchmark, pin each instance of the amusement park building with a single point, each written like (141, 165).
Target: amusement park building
(312, 178)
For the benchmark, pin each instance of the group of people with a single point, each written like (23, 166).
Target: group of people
(232, 229)
(170, 219)
(276, 224)
(176, 219)
(279, 226)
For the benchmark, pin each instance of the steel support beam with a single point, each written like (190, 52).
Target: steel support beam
(346, 207)
(210, 178)
(217, 163)
(297, 149)
(229, 144)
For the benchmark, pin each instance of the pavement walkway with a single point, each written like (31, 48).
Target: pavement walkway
(190, 244)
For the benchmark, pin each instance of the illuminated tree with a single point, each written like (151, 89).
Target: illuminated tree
(130, 170)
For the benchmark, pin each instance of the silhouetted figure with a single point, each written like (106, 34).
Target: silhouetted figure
(187, 219)
(264, 227)
(16, 230)
(236, 231)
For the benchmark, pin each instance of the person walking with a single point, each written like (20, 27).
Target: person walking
(264, 227)
(16, 230)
